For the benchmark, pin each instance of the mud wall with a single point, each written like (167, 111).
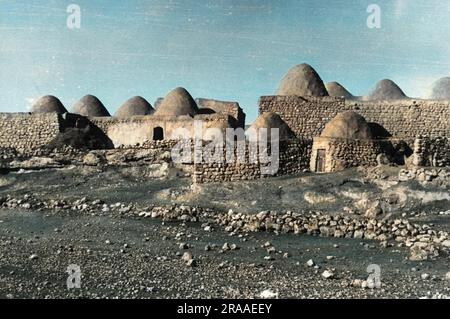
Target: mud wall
(138, 130)
(406, 119)
(429, 151)
(26, 132)
(293, 158)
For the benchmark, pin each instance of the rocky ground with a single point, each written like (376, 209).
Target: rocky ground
(305, 236)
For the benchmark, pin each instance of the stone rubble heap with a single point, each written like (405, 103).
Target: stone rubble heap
(425, 175)
(423, 241)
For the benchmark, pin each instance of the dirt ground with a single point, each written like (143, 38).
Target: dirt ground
(122, 256)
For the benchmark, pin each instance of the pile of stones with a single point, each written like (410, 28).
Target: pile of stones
(423, 241)
(425, 175)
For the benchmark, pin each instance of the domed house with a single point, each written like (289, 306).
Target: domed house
(48, 104)
(386, 90)
(177, 103)
(347, 125)
(346, 141)
(337, 90)
(270, 121)
(440, 90)
(134, 106)
(90, 106)
(302, 80)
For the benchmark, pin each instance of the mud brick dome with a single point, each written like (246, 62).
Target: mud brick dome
(134, 106)
(272, 120)
(347, 125)
(387, 90)
(302, 80)
(440, 89)
(336, 89)
(90, 106)
(178, 102)
(48, 104)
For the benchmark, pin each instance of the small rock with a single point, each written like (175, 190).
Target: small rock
(310, 263)
(425, 276)
(188, 259)
(327, 274)
(268, 294)
(33, 257)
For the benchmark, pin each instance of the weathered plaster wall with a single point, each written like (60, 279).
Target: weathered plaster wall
(139, 129)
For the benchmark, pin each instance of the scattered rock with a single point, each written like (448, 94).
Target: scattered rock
(33, 257)
(310, 263)
(268, 294)
(327, 274)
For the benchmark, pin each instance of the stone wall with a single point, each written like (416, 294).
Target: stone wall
(26, 132)
(405, 119)
(222, 107)
(293, 158)
(345, 153)
(432, 151)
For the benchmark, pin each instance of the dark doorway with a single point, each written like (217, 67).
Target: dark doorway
(158, 134)
(320, 161)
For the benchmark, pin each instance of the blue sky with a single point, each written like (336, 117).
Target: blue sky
(225, 49)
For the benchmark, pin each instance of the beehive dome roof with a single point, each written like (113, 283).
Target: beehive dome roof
(336, 89)
(440, 89)
(178, 102)
(387, 90)
(348, 125)
(91, 106)
(270, 120)
(302, 80)
(134, 106)
(48, 104)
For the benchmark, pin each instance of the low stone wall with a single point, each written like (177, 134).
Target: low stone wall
(293, 158)
(432, 151)
(26, 132)
(405, 119)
